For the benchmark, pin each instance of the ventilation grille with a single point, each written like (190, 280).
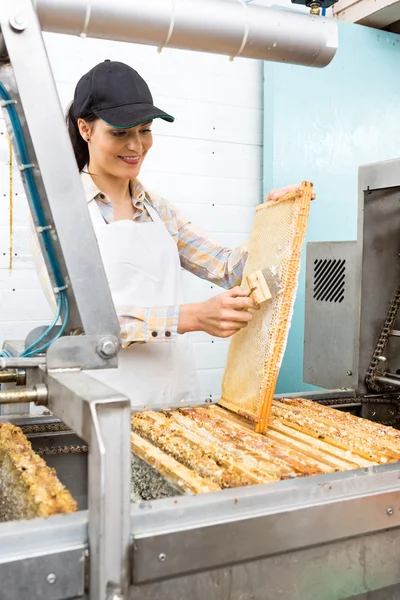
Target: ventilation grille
(329, 280)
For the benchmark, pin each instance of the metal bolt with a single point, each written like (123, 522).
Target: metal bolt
(382, 358)
(389, 511)
(51, 578)
(349, 373)
(107, 348)
(315, 8)
(162, 557)
(17, 22)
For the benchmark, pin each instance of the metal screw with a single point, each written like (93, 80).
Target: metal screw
(349, 373)
(51, 578)
(162, 557)
(17, 22)
(107, 348)
(389, 511)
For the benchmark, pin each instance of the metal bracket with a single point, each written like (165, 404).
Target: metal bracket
(384, 409)
(83, 352)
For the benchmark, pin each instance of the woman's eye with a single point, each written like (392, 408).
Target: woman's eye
(146, 131)
(118, 133)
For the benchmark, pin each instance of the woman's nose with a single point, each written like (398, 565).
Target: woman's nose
(134, 144)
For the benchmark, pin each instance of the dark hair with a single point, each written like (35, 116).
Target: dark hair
(79, 145)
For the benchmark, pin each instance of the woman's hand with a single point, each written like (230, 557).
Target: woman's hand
(275, 195)
(221, 316)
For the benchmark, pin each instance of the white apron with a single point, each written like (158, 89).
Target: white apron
(143, 269)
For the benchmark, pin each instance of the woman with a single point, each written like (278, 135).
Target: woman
(144, 241)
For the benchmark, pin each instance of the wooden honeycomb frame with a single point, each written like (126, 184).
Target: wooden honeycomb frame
(28, 487)
(209, 448)
(241, 378)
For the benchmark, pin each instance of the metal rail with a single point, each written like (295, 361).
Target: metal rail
(21, 363)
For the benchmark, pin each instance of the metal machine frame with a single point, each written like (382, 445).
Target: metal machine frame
(232, 544)
(349, 288)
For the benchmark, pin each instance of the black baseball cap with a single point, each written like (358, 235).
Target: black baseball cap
(117, 94)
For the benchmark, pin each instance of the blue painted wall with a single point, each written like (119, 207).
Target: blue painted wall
(320, 125)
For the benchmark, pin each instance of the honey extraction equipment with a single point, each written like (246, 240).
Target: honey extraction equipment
(279, 539)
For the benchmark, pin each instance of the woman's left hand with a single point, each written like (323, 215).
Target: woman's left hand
(275, 195)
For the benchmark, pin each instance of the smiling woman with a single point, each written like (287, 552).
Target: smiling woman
(144, 242)
(110, 146)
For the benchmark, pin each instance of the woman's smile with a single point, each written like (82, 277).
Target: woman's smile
(130, 160)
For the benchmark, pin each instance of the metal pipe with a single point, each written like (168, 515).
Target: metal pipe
(390, 375)
(37, 394)
(21, 363)
(8, 376)
(17, 376)
(388, 381)
(230, 27)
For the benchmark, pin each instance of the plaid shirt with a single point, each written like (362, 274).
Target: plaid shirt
(198, 254)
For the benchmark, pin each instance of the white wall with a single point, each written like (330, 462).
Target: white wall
(209, 162)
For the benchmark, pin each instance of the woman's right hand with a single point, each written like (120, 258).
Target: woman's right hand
(221, 316)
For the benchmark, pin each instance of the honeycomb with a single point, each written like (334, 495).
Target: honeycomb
(28, 487)
(256, 352)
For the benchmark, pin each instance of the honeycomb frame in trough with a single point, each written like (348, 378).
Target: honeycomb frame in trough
(255, 353)
(28, 487)
(209, 448)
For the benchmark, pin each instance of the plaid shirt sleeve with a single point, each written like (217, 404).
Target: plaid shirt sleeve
(138, 325)
(209, 260)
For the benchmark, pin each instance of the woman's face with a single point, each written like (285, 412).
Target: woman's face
(116, 152)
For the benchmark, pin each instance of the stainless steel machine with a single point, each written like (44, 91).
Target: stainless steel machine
(320, 538)
(352, 300)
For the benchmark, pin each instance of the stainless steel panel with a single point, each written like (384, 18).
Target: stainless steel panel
(52, 577)
(380, 175)
(30, 551)
(330, 314)
(329, 572)
(243, 524)
(219, 26)
(378, 268)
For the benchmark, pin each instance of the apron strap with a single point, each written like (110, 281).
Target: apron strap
(151, 210)
(95, 213)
